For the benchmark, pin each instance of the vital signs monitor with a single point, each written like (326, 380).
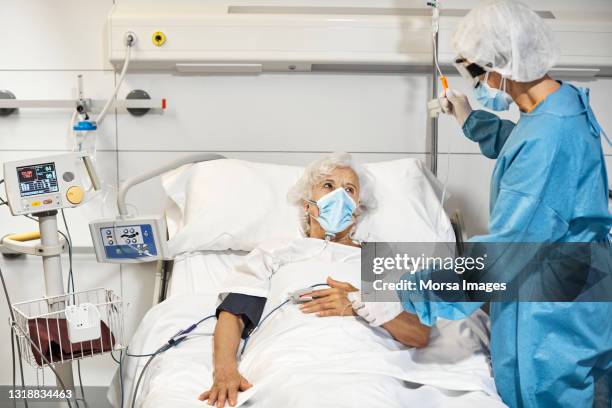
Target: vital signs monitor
(47, 183)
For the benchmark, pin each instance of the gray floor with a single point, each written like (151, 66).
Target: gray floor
(95, 396)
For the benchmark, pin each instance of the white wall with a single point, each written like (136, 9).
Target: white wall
(281, 118)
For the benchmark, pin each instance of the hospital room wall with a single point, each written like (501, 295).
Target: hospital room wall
(280, 118)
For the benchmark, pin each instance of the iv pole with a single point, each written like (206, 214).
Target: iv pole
(435, 17)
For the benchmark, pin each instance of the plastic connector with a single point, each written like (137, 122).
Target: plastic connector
(130, 39)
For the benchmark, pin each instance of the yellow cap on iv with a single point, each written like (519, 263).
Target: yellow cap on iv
(444, 81)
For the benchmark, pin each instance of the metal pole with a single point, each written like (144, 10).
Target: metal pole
(434, 120)
(54, 281)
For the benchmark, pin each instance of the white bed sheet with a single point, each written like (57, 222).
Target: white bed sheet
(201, 272)
(179, 375)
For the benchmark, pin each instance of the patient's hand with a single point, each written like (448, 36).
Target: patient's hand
(331, 302)
(226, 384)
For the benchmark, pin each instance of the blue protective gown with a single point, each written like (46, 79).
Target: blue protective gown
(549, 185)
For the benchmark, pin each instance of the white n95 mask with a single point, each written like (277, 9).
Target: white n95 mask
(335, 211)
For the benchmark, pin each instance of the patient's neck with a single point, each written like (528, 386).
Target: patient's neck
(343, 237)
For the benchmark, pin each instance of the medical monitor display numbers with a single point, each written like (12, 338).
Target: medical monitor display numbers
(38, 185)
(37, 179)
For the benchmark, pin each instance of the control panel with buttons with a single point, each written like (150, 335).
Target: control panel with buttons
(130, 240)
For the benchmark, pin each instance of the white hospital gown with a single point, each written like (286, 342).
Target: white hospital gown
(253, 275)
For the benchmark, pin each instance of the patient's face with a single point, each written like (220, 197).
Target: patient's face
(344, 177)
(340, 177)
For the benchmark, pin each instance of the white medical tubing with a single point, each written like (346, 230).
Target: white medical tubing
(126, 63)
(444, 190)
(435, 27)
(72, 132)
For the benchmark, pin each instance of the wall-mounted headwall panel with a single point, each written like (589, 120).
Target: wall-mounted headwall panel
(281, 112)
(202, 35)
(208, 38)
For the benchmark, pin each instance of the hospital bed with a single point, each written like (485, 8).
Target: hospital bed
(217, 211)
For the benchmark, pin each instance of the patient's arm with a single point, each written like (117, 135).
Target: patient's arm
(237, 316)
(226, 340)
(227, 380)
(408, 330)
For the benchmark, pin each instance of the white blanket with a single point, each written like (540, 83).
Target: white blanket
(369, 370)
(299, 360)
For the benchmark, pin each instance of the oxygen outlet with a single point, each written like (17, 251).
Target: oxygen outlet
(129, 39)
(158, 38)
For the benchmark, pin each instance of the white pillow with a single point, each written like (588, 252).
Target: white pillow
(236, 204)
(408, 205)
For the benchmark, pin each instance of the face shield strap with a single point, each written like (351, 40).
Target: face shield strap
(502, 86)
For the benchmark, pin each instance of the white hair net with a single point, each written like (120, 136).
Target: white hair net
(320, 168)
(507, 37)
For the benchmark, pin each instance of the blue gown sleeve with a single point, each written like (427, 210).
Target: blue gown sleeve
(489, 131)
(429, 312)
(528, 209)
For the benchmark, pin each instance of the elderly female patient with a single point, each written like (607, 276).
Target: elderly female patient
(333, 193)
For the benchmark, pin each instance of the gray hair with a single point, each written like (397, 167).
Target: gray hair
(322, 167)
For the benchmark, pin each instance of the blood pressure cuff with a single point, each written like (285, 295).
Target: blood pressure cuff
(248, 308)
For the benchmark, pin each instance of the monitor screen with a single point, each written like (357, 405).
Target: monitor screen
(37, 179)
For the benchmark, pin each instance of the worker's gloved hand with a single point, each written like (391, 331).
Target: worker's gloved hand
(375, 313)
(455, 103)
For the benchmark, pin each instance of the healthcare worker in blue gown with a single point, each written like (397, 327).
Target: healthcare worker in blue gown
(549, 185)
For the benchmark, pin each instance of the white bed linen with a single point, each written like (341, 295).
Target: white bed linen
(336, 354)
(367, 378)
(202, 272)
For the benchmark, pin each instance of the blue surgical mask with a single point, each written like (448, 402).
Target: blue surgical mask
(335, 211)
(494, 99)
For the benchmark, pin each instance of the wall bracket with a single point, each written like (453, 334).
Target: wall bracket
(4, 94)
(137, 103)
